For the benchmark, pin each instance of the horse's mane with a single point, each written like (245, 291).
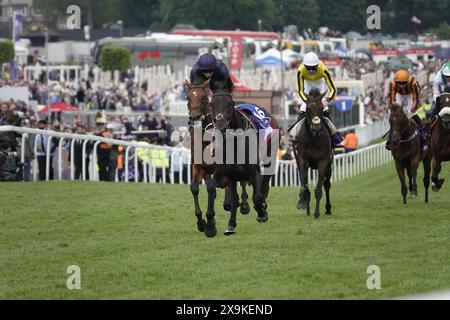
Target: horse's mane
(225, 85)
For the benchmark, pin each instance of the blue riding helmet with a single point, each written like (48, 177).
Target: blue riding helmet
(207, 61)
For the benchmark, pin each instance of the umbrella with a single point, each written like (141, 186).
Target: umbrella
(58, 107)
(238, 86)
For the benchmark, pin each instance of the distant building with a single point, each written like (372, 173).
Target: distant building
(24, 7)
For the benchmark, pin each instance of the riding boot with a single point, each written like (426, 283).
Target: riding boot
(422, 134)
(296, 128)
(336, 138)
(389, 142)
(436, 108)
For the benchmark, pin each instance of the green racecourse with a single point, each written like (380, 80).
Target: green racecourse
(136, 241)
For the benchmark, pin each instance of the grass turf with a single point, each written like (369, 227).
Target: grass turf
(135, 241)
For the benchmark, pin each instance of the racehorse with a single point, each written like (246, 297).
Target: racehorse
(313, 150)
(227, 174)
(200, 110)
(406, 152)
(440, 140)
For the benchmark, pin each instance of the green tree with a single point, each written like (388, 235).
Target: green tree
(218, 14)
(344, 15)
(443, 32)
(6, 51)
(115, 58)
(93, 13)
(140, 13)
(302, 13)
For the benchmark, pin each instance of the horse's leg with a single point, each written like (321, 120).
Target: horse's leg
(245, 207)
(195, 190)
(234, 202)
(211, 230)
(437, 183)
(410, 180)
(401, 176)
(426, 174)
(327, 186)
(227, 200)
(305, 194)
(258, 198)
(413, 172)
(322, 169)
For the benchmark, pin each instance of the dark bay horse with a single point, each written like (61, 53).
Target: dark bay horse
(440, 140)
(227, 172)
(200, 110)
(313, 150)
(406, 152)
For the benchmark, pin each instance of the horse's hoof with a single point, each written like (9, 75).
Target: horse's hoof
(230, 231)
(328, 213)
(263, 219)
(301, 206)
(227, 207)
(413, 193)
(316, 216)
(201, 225)
(245, 209)
(211, 232)
(434, 188)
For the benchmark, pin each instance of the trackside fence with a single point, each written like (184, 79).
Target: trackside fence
(148, 163)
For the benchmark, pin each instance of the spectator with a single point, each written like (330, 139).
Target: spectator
(42, 151)
(78, 154)
(351, 141)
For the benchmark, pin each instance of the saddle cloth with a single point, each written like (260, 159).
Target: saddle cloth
(258, 119)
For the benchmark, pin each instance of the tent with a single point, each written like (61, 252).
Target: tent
(238, 86)
(272, 57)
(58, 107)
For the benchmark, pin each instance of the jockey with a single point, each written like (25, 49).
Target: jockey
(208, 67)
(441, 80)
(404, 90)
(313, 74)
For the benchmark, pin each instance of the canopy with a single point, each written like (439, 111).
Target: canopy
(273, 57)
(58, 107)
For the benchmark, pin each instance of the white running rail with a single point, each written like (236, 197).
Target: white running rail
(345, 166)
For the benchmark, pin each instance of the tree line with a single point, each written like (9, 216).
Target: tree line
(273, 15)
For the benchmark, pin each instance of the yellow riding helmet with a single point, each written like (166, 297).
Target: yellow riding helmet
(402, 76)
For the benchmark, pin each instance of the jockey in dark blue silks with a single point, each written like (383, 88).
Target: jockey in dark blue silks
(208, 67)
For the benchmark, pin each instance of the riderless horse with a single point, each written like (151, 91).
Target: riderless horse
(313, 150)
(406, 151)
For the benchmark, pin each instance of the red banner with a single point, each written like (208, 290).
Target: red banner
(332, 62)
(387, 52)
(420, 51)
(236, 50)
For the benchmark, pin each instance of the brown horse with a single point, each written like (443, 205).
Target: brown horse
(313, 150)
(406, 152)
(200, 110)
(440, 141)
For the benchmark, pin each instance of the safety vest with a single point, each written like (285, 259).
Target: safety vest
(423, 110)
(120, 158)
(159, 158)
(143, 153)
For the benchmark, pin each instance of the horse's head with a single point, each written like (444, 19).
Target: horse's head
(223, 109)
(198, 100)
(399, 123)
(314, 111)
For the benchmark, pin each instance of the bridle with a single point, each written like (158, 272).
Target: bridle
(220, 116)
(404, 131)
(205, 102)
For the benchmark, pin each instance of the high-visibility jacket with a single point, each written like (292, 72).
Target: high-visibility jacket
(159, 158)
(351, 141)
(120, 158)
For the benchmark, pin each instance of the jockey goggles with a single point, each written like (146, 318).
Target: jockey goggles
(311, 68)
